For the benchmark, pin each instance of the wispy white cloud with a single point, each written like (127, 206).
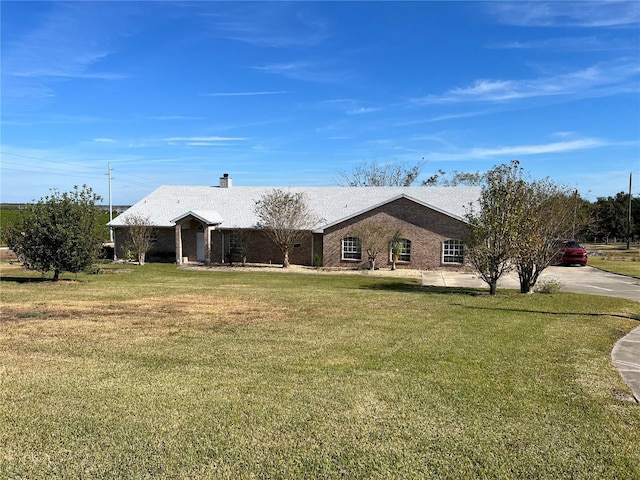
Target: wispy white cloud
(514, 151)
(592, 43)
(68, 71)
(611, 13)
(104, 140)
(313, 71)
(349, 106)
(274, 24)
(50, 119)
(211, 140)
(172, 117)
(603, 79)
(68, 41)
(208, 144)
(441, 118)
(243, 94)
(363, 110)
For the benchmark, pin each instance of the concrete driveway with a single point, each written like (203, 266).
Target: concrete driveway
(592, 281)
(576, 279)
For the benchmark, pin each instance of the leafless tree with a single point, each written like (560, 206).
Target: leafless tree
(140, 230)
(286, 218)
(392, 174)
(455, 179)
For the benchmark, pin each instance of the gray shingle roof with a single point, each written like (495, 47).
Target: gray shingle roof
(235, 205)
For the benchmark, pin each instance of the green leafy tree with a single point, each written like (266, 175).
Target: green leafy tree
(493, 231)
(550, 213)
(59, 233)
(396, 248)
(519, 224)
(612, 216)
(241, 245)
(286, 218)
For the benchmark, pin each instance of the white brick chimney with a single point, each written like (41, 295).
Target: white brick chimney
(225, 181)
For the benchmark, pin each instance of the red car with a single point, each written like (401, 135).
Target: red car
(571, 253)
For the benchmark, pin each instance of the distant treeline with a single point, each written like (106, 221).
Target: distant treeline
(19, 206)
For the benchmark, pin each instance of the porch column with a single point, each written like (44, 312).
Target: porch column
(179, 243)
(207, 244)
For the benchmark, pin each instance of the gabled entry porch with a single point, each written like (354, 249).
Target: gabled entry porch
(193, 235)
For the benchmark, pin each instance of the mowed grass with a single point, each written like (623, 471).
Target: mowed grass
(157, 372)
(616, 258)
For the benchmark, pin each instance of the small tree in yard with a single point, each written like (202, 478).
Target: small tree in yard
(375, 237)
(60, 232)
(493, 232)
(241, 245)
(396, 248)
(140, 230)
(519, 225)
(550, 214)
(286, 217)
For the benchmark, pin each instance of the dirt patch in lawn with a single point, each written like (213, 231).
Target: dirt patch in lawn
(178, 310)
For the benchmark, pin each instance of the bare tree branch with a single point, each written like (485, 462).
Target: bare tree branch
(396, 174)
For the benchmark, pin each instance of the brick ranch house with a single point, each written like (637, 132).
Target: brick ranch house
(193, 222)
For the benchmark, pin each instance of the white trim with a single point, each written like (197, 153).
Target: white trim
(342, 257)
(460, 246)
(208, 218)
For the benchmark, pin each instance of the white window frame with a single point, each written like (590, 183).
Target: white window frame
(351, 246)
(453, 252)
(405, 253)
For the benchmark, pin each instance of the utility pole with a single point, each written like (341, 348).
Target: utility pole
(110, 205)
(629, 214)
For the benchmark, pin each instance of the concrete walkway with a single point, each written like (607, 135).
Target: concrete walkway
(626, 358)
(625, 354)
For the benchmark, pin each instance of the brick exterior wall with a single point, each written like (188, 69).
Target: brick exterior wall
(426, 228)
(262, 249)
(162, 250)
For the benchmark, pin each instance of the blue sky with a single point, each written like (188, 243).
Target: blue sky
(288, 94)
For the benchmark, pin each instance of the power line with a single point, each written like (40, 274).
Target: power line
(28, 168)
(46, 169)
(49, 160)
(47, 173)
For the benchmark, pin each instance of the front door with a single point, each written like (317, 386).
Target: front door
(200, 246)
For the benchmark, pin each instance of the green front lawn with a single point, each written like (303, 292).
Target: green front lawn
(154, 372)
(616, 258)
